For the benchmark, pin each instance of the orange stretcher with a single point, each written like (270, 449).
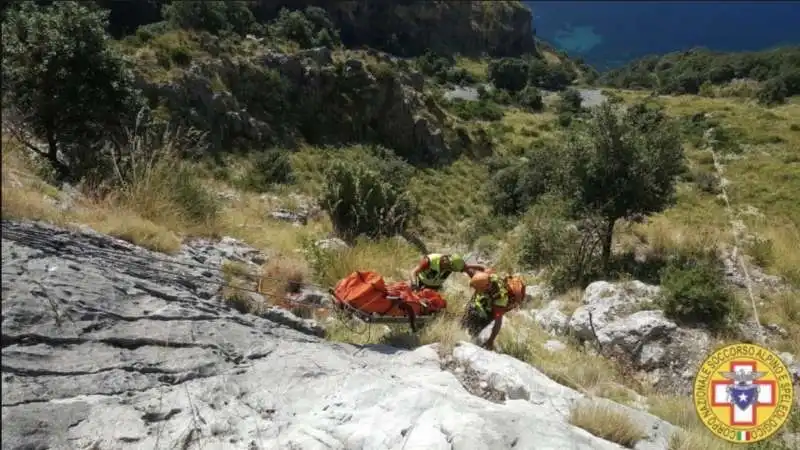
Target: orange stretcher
(367, 295)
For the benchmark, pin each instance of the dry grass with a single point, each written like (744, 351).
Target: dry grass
(476, 67)
(282, 276)
(783, 309)
(604, 422)
(26, 196)
(572, 366)
(392, 258)
(764, 181)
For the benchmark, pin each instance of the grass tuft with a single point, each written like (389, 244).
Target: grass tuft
(606, 423)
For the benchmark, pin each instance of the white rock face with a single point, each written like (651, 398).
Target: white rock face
(611, 314)
(141, 362)
(605, 302)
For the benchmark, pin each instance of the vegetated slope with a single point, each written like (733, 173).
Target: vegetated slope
(700, 71)
(377, 145)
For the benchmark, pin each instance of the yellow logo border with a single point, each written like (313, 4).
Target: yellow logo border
(764, 429)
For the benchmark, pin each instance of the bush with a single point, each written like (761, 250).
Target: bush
(211, 16)
(694, 292)
(550, 240)
(516, 184)
(772, 92)
(309, 28)
(472, 110)
(359, 203)
(569, 101)
(510, 74)
(530, 98)
(269, 168)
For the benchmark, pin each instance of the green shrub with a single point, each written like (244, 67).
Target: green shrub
(569, 101)
(211, 16)
(510, 74)
(359, 203)
(269, 168)
(192, 197)
(476, 110)
(694, 292)
(772, 92)
(516, 184)
(309, 28)
(530, 98)
(550, 240)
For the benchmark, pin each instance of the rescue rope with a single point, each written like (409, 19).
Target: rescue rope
(737, 226)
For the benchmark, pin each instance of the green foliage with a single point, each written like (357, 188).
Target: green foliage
(547, 234)
(550, 77)
(530, 98)
(550, 240)
(311, 27)
(269, 168)
(569, 101)
(475, 110)
(688, 72)
(211, 16)
(62, 81)
(695, 292)
(516, 184)
(443, 69)
(510, 74)
(513, 74)
(360, 202)
(772, 92)
(623, 163)
(694, 130)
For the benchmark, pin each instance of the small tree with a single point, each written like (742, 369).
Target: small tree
(510, 74)
(63, 82)
(621, 164)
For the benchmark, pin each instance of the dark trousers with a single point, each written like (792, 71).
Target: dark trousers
(474, 322)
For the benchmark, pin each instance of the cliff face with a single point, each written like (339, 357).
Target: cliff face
(502, 28)
(261, 98)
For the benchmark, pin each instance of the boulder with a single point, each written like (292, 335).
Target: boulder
(665, 355)
(332, 244)
(604, 302)
(551, 318)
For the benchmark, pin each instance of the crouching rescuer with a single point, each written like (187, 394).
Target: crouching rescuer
(435, 268)
(494, 296)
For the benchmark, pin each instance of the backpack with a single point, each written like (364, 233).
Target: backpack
(516, 291)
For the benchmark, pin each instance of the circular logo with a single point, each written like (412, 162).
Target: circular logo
(743, 393)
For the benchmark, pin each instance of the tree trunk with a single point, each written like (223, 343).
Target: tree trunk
(607, 239)
(52, 155)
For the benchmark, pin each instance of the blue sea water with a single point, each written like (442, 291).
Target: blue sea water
(609, 34)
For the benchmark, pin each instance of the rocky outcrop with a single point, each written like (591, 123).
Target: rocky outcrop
(500, 28)
(106, 345)
(265, 98)
(623, 321)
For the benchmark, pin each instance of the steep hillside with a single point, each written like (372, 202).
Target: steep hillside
(306, 154)
(770, 76)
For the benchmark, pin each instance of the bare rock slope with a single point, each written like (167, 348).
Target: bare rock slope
(108, 346)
